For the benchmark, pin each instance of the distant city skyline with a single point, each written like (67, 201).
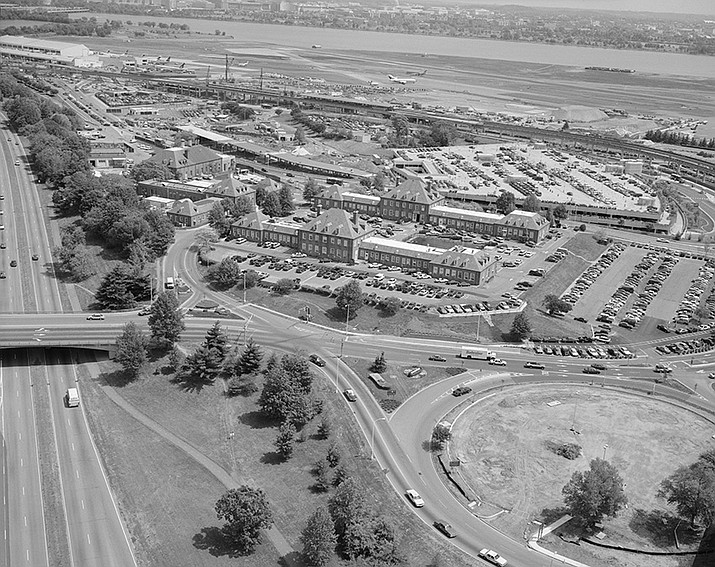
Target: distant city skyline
(705, 7)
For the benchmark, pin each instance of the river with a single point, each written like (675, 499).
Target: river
(350, 40)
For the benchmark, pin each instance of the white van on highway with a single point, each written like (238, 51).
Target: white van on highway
(72, 397)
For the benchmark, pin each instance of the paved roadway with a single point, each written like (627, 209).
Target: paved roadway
(95, 531)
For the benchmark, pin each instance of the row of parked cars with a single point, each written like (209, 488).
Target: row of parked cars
(692, 346)
(477, 307)
(652, 287)
(581, 285)
(593, 351)
(619, 298)
(692, 297)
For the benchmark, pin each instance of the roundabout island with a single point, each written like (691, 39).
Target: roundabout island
(518, 447)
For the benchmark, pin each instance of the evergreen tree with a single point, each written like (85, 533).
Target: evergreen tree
(311, 190)
(324, 428)
(379, 365)
(521, 326)
(204, 364)
(250, 359)
(216, 339)
(165, 320)
(340, 474)
(131, 350)
(318, 539)
(322, 479)
(285, 440)
(285, 197)
(334, 455)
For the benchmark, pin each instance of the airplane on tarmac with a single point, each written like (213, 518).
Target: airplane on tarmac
(373, 83)
(242, 64)
(401, 80)
(417, 73)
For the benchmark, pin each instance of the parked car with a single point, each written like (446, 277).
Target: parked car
(437, 358)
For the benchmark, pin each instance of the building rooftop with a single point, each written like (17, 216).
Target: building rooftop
(454, 212)
(336, 222)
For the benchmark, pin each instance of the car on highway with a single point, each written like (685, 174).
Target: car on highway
(461, 391)
(437, 358)
(96, 317)
(445, 528)
(13, 263)
(350, 395)
(711, 376)
(145, 311)
(315, 359)
(35, 257)
(2, 275)
(2, 227)
(17, 163)
(2, 197)
(497, 362)
(662, 368)
(3, 245)
(414, 497)
(536, 365)
(492, 557)
(598, 366)
(591, 370)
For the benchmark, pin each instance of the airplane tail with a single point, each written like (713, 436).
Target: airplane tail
(169, 59)
(390, 77)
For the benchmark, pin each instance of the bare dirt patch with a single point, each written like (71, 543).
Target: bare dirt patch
(506, 447)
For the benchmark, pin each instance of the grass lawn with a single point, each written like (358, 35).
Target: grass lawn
(204, 418)
(504, 443)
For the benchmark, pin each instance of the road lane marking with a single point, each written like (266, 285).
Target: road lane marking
(77, 472)
(22, 462)
(82, 501)
(89, 541)
(73, 446)
(23, 491)
(25, 520)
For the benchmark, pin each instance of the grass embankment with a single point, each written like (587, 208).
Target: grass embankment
(583, 250)
(168, 499)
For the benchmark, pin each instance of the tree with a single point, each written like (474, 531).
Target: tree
(226, 274)
(324, 428)
(318, 539)
(311, 190)
(205, 238)
(379, 365)
(283, 398)
(249, 279)
(521, 326)
(242, 206)
(560, 213)
(272, 205)
(131, 350)
(348, 510)
(285, 439)
(204, 364)
(334, 455)
(284, 286)
(553, 304)
(250, 359)
(594, 493)
(349, 298)
(150, 170)
(299, 135)
(340, 475)
(440, 435)
(391, 305)
(505, 202)
(216, 339)
(245, 511)
(122, 287)
(165, 320)
(218, 220)
(692, 489)
(285, 197)
(531, 204)
(322, 479)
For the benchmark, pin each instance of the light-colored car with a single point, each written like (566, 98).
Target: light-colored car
(492, 557)
(350, 395)
(415, 498)
(96, 317)
(497, 362)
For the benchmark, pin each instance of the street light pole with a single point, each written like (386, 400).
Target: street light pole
(347, 318)
(604, 451)
(244, 287)
(372, 438)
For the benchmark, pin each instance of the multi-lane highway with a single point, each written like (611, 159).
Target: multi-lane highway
(32, 386)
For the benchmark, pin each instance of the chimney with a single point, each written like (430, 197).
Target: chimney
(318, 209)
(356, 218)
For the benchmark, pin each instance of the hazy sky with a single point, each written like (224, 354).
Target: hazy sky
(706, 7)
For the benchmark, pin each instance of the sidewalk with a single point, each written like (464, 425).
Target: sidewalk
(533, 543)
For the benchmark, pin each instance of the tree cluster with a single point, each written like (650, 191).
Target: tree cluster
(678, 139)
(206, 363)
(244, 370)
(123, 287)
(439, 134)
(132, 350)
(240, 112)
(691, 489)
(287, 393)
(521, 327)
(74, 258)
(349, 299)
(59, 24)
(166, 321)
(225, 212)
